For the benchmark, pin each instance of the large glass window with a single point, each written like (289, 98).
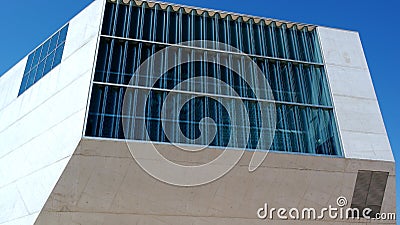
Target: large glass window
(155, 24)
(288, 56)
(42, 60)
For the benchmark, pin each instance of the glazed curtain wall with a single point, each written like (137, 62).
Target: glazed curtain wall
(167, 26)
(289, 58)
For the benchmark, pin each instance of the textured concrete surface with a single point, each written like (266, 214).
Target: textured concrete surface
(102, 184)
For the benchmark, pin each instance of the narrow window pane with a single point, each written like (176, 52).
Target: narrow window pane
(234, 34)
(198, 29)
(40, 70)
(63, 36)
(313, 43)
(222, 31)
(160, 28)
(116, 62)
(135, 22)
(293, 43)
(102, 60)
(108, 18)
(173, 27)
(29, 63)
(45, 50)
(210, 29)
(49, 62)
(58, 56)
(245, 38)
(23, 84)
(185, 35)
(304, 50)
(270, 34)
(250, 27)
(36, 60)
(120, 26)
(148, 24)
(281, 41)
(259, 44)
(31, 79)
(53, 42)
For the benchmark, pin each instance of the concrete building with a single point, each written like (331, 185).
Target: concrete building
(64, 157)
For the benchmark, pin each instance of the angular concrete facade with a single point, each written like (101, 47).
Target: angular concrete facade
(50, 173)
(100, 186)
(41, 129)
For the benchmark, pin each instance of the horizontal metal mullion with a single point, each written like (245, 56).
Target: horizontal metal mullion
(215, 95)
(213, 50)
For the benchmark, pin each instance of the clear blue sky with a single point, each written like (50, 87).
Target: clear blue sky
(25, 24)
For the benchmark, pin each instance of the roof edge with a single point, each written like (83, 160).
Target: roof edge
(212, 12)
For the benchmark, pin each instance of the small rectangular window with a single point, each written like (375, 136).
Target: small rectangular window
(43, 59)
(63, 36)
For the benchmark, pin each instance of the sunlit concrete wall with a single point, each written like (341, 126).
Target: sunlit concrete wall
(103, 184)
(40, 129)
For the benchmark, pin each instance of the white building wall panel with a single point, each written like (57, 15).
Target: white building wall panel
(40, 129)
(10, 82)
(359, 118)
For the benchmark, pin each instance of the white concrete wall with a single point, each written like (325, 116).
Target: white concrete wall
(40, 129)
(10, 83)
(359, 118)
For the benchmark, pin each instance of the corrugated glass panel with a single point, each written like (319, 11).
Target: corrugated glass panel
(289, 57)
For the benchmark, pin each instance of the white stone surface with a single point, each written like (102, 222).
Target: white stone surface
(29, 219)
(10, 82)
(360, 122)
(11, 205)
(35, 188)
(342, 48)
(40, 129)
(359, 115)
(83, 27)
(343, 77)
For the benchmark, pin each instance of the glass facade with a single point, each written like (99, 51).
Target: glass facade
(289, 57)
(44, 59)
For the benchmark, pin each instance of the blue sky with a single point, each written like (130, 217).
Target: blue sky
(25, 24)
